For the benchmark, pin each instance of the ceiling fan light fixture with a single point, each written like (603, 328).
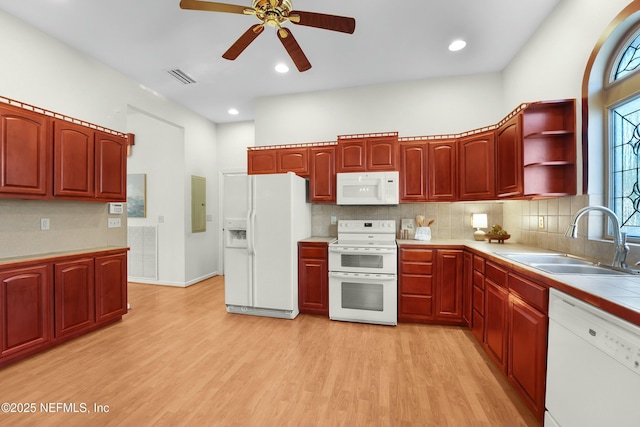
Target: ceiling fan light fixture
(282, 68)
(457, 45)
(233, 111)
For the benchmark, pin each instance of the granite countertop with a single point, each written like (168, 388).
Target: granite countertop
(617, 294)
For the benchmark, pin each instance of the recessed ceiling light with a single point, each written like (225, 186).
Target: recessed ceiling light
(233, 111)
(457, 45)
(282, 68)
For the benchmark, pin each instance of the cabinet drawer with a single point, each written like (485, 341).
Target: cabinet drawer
(533, 293)
(424, 255)
(496, 274)
(478, 300)
(416, 285)
(478, 279)
(416, 268)
(313, 252)
(416, 305)
(478, 264)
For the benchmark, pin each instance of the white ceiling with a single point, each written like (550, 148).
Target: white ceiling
(394, 40)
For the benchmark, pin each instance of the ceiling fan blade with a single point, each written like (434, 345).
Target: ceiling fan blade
(213, 7)
(294, 49)
(245, 40)
(342, 24)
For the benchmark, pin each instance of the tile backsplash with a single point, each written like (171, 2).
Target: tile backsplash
(521, 218)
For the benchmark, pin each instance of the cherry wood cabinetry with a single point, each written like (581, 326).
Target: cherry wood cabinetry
(467, 288)
(46, 302)
(74, 159)
(262, 161)
(361, 153)
(415, 284)
(443, 161)
(495, 314)
(294, 160)
(110, 167)
(509, 158)
(313, 278)
(430, 285)
(413, 172)
(476, 162)
(322, 182)
(477, 297)
(25, 308)
(25, 153)
(111, 295)
(74, 296)
(549, 148)
(527, 350)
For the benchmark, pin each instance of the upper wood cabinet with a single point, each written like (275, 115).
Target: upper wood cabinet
(361, 153)
(262, 161)
(74, 159)
(509, 158)
(294, 160)
(443, 161)
(110, 167)
(549, 148)
(25, 153)
(413, 172)
(476, 162)
(322, 179)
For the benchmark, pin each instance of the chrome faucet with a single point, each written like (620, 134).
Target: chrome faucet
(619, 238)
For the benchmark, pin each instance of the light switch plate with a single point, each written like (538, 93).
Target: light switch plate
(114, 223)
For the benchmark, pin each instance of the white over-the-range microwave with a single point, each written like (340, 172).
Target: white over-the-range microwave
(368, 188)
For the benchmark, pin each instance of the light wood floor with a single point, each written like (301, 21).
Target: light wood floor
(177, 358)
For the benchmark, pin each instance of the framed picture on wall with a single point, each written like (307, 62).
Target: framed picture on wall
(137, 195)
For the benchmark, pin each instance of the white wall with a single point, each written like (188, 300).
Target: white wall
(233, 140)
(425, 107)
(41, 71)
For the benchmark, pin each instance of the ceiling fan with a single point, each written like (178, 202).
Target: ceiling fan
(275, 13)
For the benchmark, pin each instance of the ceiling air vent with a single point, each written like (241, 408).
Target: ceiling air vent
(181, 76)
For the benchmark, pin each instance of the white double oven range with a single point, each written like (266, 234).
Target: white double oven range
(363, 280)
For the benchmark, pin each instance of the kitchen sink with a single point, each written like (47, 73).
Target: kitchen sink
(577, 269)
(534, 258)
(564, 264)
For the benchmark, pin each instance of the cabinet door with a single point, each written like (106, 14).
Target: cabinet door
(477, 167)
(509, 159)
(413, 172)
(416, 284)
(25, 156)
(495, 323)
(73, 160)
(382, 154)
(528, 353)
(322, 180)
(352, 156)
(294, 160)
(25, 304)
(74, 296)
(313, 279)
(111, 167)
(261, 162)
(110, 287)
(442, 170)
(450, 281)
(467, 289)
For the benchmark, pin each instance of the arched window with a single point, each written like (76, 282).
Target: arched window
(622, 131)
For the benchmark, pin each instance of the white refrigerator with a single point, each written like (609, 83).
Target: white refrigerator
(261, 277)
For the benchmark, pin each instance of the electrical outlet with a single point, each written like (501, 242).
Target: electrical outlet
(114, 223)
(45, 224)
(541, 222)
(334, 220)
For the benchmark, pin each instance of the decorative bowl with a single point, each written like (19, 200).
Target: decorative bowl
(499, 237)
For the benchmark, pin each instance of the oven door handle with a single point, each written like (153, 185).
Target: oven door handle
(362, 276)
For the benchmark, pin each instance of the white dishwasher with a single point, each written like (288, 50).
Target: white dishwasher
(593, 366)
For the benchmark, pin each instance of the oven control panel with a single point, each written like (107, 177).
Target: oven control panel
(383, 226)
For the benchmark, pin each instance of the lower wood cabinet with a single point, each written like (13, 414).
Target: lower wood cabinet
(26, 308)
(430, 284)
(313, 278)
(46, 302)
